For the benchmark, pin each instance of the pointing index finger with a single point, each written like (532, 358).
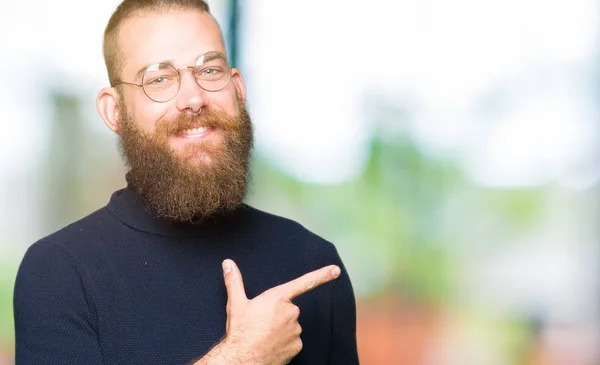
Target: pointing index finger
(308, 281)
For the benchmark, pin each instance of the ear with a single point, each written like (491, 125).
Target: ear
(240, 85)
(107, 104)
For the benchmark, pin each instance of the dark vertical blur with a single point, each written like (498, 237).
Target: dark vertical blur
(234, 20)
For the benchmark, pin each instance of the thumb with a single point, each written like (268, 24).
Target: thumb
(234, 283)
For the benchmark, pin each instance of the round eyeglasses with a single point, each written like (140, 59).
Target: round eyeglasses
(161, 81)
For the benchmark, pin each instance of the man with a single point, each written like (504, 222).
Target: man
(140, 281)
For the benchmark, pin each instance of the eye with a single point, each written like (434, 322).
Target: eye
(157, 81)
(209, 71)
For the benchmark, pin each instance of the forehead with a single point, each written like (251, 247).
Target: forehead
(178, 36)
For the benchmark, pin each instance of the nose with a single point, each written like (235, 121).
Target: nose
(191, 97)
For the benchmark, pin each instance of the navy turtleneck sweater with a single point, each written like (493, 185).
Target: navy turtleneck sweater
(122, 286)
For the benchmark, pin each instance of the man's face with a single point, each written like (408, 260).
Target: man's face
(186, 166)
(178, 37)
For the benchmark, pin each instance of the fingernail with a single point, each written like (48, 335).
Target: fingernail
(226, 267)
(335, 272)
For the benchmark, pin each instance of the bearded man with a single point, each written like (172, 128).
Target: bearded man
(155, 276)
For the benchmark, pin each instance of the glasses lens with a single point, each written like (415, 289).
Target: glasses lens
(161, 82)
(212, 71)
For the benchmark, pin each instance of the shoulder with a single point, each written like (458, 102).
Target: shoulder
(83, 232)
(59, 250)
(287, 230)
(279, 224)
(255, 215)
(60, 261)
(72, 247)
(45, 261)
(47, 272)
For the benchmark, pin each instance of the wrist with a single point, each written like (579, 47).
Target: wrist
(221, 354)
(237, 354)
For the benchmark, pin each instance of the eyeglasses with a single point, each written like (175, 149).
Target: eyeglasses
(161, 81)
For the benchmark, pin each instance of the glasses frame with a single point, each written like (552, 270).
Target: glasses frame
(119, 82)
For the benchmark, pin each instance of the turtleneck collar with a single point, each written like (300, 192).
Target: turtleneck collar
(128, 207)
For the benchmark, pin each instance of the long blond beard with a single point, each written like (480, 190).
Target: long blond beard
(175, 188)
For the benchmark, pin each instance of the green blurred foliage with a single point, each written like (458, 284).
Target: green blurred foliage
(388, 215)
(7, 275)
(405, 220)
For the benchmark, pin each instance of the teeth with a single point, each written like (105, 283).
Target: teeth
(195, 130)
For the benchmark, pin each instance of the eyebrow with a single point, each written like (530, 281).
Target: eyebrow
(212, 57)
(145, 67)
(170, 62)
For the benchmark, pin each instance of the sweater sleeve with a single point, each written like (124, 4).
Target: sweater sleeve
(343, 350)
(343, 319)
(54, 322)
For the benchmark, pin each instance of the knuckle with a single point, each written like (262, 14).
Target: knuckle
(298, 330)
(297, 346)
(295, 311)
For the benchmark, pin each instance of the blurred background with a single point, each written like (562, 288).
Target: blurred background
(450, 150)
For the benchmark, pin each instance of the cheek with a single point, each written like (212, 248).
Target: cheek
(226, 100)
(148, 114)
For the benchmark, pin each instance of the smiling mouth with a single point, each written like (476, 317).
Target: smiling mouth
(194, 132)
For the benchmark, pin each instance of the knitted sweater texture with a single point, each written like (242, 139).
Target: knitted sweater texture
(122, 286)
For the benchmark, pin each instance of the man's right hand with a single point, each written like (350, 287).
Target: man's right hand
(265, 330)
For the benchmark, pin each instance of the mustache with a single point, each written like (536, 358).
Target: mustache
(208, 118)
